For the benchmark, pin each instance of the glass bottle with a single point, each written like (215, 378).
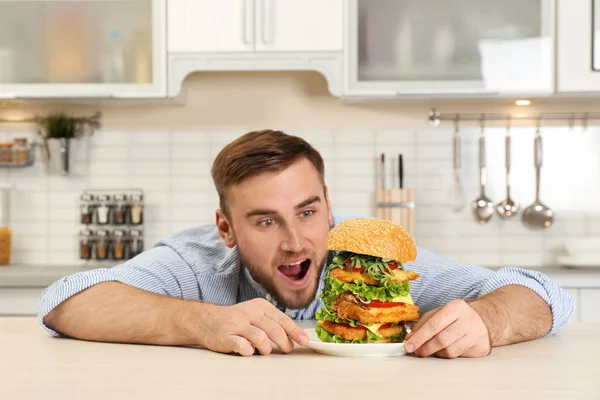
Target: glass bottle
(103, 210)
(86, 210)
(118, 245)
(85, 244)
(136, 211)
(5, 231)
(102, 243)
(119, 212)
(136, 243)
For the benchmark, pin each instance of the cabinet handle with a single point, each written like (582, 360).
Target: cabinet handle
(247, 18)
(267, 21)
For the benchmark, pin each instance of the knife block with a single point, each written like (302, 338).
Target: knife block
(397, 205)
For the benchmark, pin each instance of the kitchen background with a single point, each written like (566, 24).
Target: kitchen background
(166, 149)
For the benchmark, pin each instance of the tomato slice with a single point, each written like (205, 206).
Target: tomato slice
(384, 326)
(383, 304)
(348, 264)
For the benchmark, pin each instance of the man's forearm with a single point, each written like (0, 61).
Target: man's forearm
(513, 314)
(115, 312)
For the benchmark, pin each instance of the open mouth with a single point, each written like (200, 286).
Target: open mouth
(297, 271)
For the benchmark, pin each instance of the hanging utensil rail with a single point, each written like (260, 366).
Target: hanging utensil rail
(435, 117)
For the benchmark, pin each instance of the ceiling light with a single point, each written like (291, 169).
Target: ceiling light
(523, 102)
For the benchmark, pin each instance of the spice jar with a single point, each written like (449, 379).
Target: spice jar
(102, 244)
(86, 209)
(119, 212)
(103, 211)
(136, 244)
(118, 245)
(136, 211)
(19, 151)
(6, 152)
(85, 244)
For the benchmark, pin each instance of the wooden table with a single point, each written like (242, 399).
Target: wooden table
(35, 366)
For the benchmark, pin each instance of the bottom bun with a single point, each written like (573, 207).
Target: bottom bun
(343, 333)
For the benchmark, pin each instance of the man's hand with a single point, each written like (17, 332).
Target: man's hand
(250, 325)
(454, 330)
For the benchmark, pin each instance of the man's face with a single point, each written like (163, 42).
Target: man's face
(279, 222)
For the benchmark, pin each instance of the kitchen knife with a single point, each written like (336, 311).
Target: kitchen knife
(401, 171)
(382, 171)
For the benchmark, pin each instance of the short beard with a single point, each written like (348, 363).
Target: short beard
(269, 286)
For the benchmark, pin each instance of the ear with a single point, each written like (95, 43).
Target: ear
(225, 229)
(329, 211)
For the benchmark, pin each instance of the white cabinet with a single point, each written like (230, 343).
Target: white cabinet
(95, 48)
(406, 47)
(589, 305)
(299, 25)
(255, 25)
(210, 26)
(578, 46)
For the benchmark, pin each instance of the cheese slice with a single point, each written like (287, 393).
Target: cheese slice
(403, 299)
(374, 328)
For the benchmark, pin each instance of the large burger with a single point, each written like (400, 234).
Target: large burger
(366, 292)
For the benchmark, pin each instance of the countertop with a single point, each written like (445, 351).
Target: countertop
(34, 365)
(43, 276)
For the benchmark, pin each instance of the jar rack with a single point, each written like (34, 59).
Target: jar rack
(17, 158)
(112, 222)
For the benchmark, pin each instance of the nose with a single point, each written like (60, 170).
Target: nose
(293, 240)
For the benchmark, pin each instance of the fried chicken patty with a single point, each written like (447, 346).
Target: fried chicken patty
(370, 315)
(359, 332)
(345, 275)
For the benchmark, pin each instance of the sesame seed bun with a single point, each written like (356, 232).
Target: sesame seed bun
(373, 237)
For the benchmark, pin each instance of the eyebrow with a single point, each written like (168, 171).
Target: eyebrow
(264, 212)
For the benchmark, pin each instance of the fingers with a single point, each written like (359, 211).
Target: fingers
(443, 340)
(460, 348)
(275, 332)
(424, 318)
(258, 338)
(431, 327)
(241, 346)
(291, 329)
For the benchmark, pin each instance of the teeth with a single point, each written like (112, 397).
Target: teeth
(296, 263)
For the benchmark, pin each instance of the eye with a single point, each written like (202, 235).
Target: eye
(267, 222)
(307, 213)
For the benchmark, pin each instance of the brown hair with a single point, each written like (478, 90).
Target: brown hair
(258, 152)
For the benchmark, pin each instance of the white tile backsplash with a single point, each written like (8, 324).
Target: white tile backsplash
(173, 169)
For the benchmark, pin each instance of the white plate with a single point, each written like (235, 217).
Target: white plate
(354, 350)
(580, 261)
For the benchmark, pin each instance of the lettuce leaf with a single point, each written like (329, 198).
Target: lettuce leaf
(325, 314)
(333, 287)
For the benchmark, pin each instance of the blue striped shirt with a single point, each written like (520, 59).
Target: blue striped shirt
(195, 264)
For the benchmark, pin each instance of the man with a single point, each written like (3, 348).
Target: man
(238, 285)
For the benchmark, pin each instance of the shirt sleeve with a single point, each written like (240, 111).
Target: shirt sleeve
(159, 270)
(442, 281)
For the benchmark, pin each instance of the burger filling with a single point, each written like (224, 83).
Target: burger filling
(366, 299)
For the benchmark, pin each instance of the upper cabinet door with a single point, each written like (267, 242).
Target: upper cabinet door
(94, 48)
(210, 26)
(299, 25)
(411, 47)
(578, 45)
